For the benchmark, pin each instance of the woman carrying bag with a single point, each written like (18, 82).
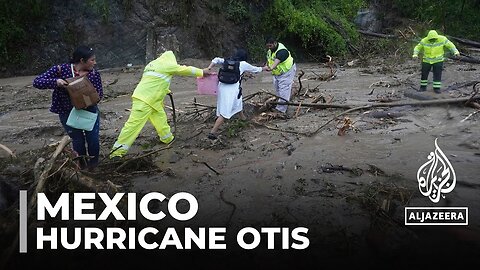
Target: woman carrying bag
(81, 64)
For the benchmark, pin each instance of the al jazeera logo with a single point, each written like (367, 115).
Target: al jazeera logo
(436, 178)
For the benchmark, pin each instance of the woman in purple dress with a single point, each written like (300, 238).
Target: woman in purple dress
(81, 64)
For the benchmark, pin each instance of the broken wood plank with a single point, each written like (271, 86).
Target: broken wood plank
(40, 182)
(465, 41)
(386, 104)
(466, 58)
(10, 152)
(373, 34)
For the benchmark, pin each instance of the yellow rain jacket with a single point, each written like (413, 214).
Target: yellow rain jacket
(155, 82)
(147, 101)
(433, 47)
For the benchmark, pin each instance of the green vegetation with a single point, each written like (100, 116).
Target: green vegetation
(323, 27)
(101, 7)
(237, 11)
(454, 17)
(309, 28)
(235, 127)
(16, 20)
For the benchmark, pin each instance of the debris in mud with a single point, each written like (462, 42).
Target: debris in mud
(344, 125)
(330, 168)
(376, 171)
(9, 152)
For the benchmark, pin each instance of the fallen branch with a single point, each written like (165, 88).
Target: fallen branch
(40, 182)
(456, 86)
(334, 168)
(310, 134)
(367, 106)
(465, 41)
(198, 111)
(144, 155)
(300, 81)
(474, 93)
(90, 183)
(245, 98)
(202, 105)
(208, 166)
(314, 105)
(279, 129)
(273, 95)
(298, 109)
(387, 104)
(171, 108)
(466, 58)
(10, 152)
(470, 115)
(373, 34)
(40, 179)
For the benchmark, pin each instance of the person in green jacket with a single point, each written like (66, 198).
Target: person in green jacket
(147, 101)
(433, 49)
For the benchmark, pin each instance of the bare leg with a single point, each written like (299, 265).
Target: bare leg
(217, 124)
(242, 116)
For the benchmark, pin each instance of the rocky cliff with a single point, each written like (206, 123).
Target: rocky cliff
(130, 32)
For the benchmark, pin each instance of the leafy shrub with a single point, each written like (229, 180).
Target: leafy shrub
(236, 11)
(16, 19)
(322, 26)
(449, 16)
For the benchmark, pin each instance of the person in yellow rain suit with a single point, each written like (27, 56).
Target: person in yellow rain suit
(433, 49)
(147, 101)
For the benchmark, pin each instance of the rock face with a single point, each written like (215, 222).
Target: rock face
(367, 19)
(129, 32)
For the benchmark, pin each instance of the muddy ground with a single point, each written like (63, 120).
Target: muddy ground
(261, 177)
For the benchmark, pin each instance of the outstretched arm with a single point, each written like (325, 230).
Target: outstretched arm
(216, 61)
(247, 67)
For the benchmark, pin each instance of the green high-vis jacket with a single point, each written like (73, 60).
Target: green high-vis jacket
(433, 47)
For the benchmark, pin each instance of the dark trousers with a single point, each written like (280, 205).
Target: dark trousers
(80, 137)
(437, 75)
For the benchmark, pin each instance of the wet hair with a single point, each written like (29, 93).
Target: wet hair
(270, 40)
(82, 52)
(240, 55)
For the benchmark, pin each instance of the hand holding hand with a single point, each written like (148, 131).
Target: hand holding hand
(207, 71)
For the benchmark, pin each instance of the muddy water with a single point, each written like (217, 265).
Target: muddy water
(271, 166)
(273, 178)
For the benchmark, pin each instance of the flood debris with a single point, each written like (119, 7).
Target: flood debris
(6, 149)
(330, 168)
(344, 125)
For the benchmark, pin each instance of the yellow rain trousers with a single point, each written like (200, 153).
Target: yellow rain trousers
(147, 101)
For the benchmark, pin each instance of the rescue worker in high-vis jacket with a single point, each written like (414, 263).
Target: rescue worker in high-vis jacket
(147, 101)
(433, 49)
(280, 63)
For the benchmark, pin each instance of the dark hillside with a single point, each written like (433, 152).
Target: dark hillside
(34, 34)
